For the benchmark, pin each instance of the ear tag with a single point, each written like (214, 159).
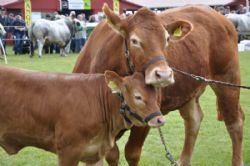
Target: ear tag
(109, 22)
(178, 32)
(112, 85)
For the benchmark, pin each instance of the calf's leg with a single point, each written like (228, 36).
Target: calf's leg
(10, 149)
(112, 156)
(192, 116)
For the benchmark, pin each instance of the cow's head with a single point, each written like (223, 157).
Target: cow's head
(77, 26)
(74, 25)
(147, 40)
(143, 100)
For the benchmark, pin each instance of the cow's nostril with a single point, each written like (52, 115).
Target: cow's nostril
(171, 73)
(157, 74)
(160, 120)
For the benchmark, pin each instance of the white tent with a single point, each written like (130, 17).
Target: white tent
(177, 3)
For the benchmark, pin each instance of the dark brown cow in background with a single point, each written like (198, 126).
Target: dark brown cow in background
(75, 116)
(204, 44)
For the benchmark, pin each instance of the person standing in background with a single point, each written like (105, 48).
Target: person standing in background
(81, 34)
(242, 9)
(72, 16)
(19, 30)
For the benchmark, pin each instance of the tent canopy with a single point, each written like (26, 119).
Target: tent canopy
(177, 3)
(37, 5)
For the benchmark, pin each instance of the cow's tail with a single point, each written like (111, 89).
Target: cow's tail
(31, 37)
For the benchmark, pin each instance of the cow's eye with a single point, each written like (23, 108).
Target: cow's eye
(137, 97)
(135, 42)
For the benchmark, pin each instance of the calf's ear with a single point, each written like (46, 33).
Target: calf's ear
(113, 80)
(113, 20)
(179, 29)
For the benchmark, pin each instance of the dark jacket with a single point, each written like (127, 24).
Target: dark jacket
(20, 26)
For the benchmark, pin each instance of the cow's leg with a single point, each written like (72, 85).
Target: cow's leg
(134, 145)
(99, 163)
(69, 156)
(112, 156)
(10, 149)
(31, 49)
(40, 43)
(9, 142)
(192, 116)
(67, 47)
(230, 111)
(62, 52)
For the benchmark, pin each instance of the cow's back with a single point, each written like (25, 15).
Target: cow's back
(206, 51)
(55, 31)
(217, 31)
(40, 28)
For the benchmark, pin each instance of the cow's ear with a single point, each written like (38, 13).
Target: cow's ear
(179, 29)
(113, 20)
(113, 80)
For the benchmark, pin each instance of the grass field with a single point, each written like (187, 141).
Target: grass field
(213, 146)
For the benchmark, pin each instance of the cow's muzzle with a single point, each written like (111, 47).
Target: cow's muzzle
(159, 74)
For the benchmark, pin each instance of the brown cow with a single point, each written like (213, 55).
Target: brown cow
(73, 115)
(207, 46)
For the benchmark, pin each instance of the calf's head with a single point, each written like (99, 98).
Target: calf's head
(146, 40)
(143, 101)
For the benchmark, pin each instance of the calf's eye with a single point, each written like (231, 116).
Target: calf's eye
(168, 39)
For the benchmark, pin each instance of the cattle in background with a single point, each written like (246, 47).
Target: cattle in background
(76, 116)
(241, 23)
(200, 41)
(58, 31)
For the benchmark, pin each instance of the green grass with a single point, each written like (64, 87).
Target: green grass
(213, 146)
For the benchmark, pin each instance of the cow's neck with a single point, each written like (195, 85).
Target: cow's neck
(114, 58)
(115, 121)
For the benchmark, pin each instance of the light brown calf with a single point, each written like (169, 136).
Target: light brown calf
(73, 115)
